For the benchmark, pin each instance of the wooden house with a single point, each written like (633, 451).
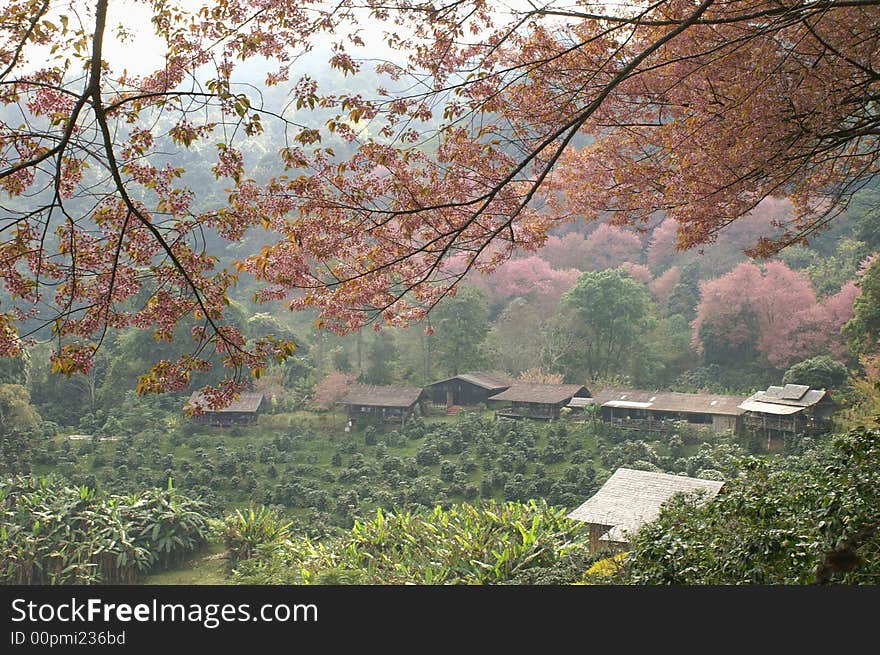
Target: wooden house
(657, 411)
(536, 401)
(243, 410)
(788, 410)
(466, 389)
(396, 404)
(630, 499)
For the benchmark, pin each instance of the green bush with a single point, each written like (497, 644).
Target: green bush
(55, 533)
(488, 543)
(244, 531)
(794, 520)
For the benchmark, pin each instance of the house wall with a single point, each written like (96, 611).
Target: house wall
(463, 393)
(228, 418)
(387, 413)
(651, 420)
(721, 423)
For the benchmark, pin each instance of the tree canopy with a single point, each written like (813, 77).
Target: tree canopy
(483, 130)
(608, 311)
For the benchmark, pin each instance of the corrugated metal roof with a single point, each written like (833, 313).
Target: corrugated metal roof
(381, 396)
(627, 404)
(549, 394)
(770, 408)
(631, 498)
(670, 401)
(246, 402)
(581, 402)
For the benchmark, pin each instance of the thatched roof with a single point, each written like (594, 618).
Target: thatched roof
(548, 394)
(631, 498)
(488, 381)
(781, 400)
(375, 396)
(668, 401)
(247, 403)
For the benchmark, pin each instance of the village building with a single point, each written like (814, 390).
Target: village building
(471, 388)
(629, 500)
(396, 404)
(536, 401)
(788, 410)
(243, 410)
(657, 411)
(579, 405)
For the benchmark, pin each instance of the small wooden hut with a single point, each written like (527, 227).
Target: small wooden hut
(536, 401)
(243, 410)
(631, 498)
(396, 404)
(466, 389)
(789, 410)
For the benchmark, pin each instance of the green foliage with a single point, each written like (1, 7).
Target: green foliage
(382, 354)
(488, 543)
(55, 533)
(607, 312)
(14, 370)
(795, 520)
(16, 411)
(863, 330)
(461, 324)
(244, 531)
(742, 377)
(820, 372)
(829, 274)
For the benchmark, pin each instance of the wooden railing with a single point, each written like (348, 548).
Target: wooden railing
(646, 425)
(799, 425)
(519, 413)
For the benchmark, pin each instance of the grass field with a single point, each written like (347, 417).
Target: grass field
(207, 567)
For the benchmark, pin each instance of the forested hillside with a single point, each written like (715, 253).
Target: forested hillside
(264, 285)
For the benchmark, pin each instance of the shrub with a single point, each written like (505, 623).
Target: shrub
(244, 531)
(488, 543)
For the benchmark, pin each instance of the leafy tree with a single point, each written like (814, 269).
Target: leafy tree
(865, 209)
(16, 411)
(514, 343)
(608, 312)
(820, 372)
(667, 351)
(609, 247)
(829, 274)
(529, 278)
(773, 312)
(332, 388)
(685, 294)
(381, 358)
(813, 518)
(486, 157)
(863, 331)
(13, 370)
(460, 324)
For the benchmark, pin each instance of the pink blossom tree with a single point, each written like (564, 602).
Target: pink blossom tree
(333, 387)
(609, 247)
(774, 311)
(530, 278)
(661, 287)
